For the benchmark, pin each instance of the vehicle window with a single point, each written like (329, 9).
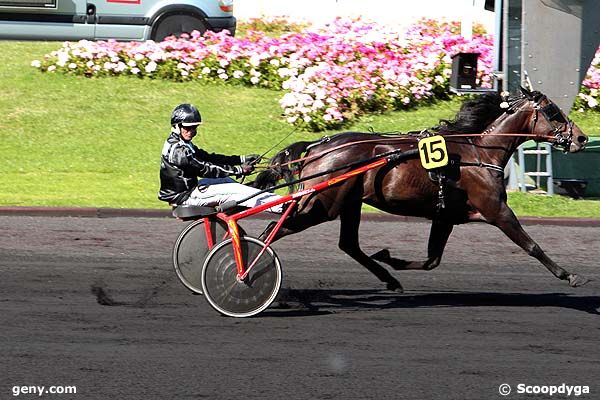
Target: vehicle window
(28, 3)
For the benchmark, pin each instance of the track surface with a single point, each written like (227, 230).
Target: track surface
(489, 315)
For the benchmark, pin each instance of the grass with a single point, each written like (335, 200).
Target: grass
(588, 121)
(525, 204)
(71, 141)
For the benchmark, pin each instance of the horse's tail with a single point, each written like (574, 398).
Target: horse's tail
(282, 166)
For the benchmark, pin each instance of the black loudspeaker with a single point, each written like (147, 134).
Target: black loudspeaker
(464, 71)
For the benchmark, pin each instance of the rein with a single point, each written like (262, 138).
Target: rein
(404, 139)
(395, 155)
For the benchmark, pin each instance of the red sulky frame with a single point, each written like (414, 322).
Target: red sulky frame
(231, 220)
(220, 275)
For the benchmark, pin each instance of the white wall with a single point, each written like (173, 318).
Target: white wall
(389, 12)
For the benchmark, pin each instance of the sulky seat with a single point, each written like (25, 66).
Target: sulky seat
(186, 212)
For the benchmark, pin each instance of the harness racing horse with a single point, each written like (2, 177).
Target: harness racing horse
(480, 140)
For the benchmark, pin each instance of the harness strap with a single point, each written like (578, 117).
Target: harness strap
(324, 139)
(483, 165)
(339, 147)
(479, 163)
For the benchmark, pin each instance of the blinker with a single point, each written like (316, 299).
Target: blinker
(553, 113)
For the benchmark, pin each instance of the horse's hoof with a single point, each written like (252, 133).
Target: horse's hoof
(577, 280)
(395, 287)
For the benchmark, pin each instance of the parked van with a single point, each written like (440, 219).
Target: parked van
(112, 19)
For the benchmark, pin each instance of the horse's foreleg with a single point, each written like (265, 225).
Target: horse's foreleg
(509, 224)
(438, 237)
(348, 243)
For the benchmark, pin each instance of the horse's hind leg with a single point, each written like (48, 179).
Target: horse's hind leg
(306, 216)
(438, 237)
(509, 224)
(350, 222)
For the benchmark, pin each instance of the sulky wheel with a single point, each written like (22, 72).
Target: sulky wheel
(232, 297)
(191, 249)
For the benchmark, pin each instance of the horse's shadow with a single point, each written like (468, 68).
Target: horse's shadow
(303, 302)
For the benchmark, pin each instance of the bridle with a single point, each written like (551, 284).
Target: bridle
(552, 114)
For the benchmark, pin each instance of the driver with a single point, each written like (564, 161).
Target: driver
(182, 163)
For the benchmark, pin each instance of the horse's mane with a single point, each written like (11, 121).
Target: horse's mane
(476, 115)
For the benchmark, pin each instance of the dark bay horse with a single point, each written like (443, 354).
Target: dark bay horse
(481, 139)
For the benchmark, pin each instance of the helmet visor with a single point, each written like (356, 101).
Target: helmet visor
(190, 123)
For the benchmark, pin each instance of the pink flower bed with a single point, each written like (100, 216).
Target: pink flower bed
(590, 89)
(330, 76)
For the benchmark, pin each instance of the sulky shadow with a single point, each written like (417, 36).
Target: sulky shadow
(306, 302)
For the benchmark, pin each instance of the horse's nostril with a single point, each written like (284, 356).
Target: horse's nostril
(581, 139)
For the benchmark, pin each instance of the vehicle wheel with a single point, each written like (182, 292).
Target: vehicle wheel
(176, 24)
(235, 298)
(191, 248)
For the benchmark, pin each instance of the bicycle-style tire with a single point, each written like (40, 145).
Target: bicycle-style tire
(232, 297)
(191, 249)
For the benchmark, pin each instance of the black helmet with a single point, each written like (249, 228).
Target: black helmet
(186, 115)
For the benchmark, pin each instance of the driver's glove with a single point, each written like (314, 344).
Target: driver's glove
(246, 168)
(250, 158)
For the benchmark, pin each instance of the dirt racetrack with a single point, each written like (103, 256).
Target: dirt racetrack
(488, 315)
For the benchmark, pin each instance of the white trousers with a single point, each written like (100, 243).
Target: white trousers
(212, 192)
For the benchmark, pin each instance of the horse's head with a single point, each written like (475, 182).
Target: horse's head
(550, 124)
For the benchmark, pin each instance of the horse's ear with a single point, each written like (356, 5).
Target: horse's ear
(526, 92)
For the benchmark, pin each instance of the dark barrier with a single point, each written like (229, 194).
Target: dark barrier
(571, 171)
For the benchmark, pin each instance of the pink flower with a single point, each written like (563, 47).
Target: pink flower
(328, 75)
